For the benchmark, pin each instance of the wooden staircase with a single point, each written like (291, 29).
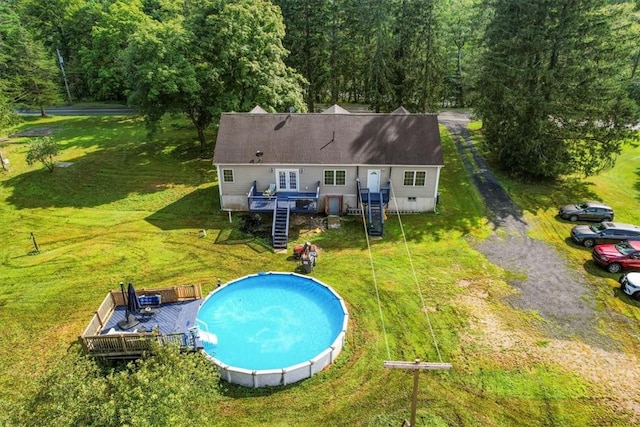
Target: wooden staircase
(280, 227)
(376, 219)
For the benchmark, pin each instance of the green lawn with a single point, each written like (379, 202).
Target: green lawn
(130, 208)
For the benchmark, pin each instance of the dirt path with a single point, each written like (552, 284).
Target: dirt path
(548, 286)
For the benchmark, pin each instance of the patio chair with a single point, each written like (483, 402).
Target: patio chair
(270, 191)
(149, 305)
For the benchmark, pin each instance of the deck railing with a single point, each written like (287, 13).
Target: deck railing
(129, 345)
(299, 202)
(133, 345)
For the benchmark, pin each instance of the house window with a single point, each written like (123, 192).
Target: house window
(227, 175)
(415, 178)
(335, 177)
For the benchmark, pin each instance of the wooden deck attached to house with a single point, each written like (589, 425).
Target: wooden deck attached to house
(298, 202)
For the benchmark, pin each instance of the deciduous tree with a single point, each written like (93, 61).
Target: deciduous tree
(219, 56)
(167, 389)
(102, 57)
(43, 150)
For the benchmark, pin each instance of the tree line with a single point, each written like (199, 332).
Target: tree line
(555, 83)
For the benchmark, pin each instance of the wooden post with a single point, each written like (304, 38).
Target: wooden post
(417, 366)
(414, 396)
(35, 244)
(100, 319)
(4, 162)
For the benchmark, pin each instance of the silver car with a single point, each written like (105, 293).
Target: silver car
(587, 211)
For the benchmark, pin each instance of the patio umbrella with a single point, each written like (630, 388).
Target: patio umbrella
(133, 305)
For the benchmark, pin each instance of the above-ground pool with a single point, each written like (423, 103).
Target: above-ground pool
(272, 329)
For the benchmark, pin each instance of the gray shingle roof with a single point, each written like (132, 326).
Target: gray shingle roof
(330, 139)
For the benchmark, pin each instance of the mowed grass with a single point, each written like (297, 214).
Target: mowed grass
(130, 208)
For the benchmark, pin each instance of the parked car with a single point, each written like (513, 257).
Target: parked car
(630, 284)
(587, 211)
(617, 257)
(604, 232)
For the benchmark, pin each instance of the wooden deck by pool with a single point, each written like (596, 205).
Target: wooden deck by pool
(173, 322)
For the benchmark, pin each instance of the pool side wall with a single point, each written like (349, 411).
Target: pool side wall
(279, 377)
(290, 374)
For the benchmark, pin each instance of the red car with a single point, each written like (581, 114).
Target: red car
(615, 257)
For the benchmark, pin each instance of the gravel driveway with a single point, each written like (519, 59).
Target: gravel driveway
(550, 287)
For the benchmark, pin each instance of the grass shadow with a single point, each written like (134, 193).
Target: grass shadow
(569, 241)
(255, 238)
(189, 211)
(97, 178)
(618, 293)
(595, 270)
(535, 196)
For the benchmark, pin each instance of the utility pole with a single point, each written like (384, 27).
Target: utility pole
(417, 366)
(64, 75)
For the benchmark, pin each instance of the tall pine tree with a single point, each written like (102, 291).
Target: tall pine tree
(552, 99)
(28, 71)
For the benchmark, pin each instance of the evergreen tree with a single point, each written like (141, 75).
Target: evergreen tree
(378, 59)
(461, 26)
(307, 38)
(351, 50)
(416, 72)
(52, 24)
(552, 99)
(7, 116)
(29, 72)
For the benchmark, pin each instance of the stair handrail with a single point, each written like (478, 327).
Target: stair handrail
(369, 212)
(381, 201)
(287, 223)
(275, 218)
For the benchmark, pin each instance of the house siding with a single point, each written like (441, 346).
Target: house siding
(414, 198)
(233, 195)
(256, 144)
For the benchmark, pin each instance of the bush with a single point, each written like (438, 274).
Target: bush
(169, 388)
(43, 150)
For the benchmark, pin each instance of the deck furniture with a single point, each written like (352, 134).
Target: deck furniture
(270, 191)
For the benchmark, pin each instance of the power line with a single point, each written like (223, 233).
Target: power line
(373, 273)
(415, 276)
(416, 365)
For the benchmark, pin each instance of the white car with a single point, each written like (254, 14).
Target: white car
(630, 284)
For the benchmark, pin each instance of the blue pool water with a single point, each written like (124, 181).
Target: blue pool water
(270, 321)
